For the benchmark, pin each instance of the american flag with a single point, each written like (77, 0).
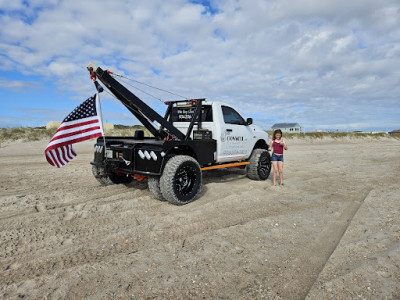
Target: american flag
(82, 124)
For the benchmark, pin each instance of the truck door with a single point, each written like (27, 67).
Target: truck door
(236, 138)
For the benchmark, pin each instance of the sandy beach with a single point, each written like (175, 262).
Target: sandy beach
(333, 232)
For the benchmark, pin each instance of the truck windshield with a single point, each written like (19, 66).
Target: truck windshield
(185, 114)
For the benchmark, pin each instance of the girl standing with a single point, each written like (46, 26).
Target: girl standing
(277, 145)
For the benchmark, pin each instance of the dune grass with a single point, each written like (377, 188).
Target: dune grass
(337, 135)
(26, 133)
(41, 133)
(122, 130)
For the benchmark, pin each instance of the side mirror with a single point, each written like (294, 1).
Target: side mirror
(249, 121)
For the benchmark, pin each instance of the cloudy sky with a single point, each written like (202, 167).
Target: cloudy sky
(327, 64)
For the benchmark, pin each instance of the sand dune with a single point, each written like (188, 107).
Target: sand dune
(332, 232)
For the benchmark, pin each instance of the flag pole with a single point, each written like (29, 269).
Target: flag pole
(99, 90)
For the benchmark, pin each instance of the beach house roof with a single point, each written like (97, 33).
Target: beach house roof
(397, 131)
(285, 125)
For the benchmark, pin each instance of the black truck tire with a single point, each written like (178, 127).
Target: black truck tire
(154, 187)
(110, 179)
(180, 181)
(260, 165)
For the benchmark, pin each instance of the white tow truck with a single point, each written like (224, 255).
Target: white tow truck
(194, 136)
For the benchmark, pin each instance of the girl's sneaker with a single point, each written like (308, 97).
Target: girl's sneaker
(282, 184)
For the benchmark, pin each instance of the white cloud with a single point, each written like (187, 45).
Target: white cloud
(280, 60)
(17, 85)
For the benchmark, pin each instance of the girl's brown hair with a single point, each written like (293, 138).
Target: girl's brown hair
(275, 132)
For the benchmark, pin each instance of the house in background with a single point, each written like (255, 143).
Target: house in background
(287, 127)
(395, 132)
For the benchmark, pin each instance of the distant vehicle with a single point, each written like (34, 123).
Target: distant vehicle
(194, 136)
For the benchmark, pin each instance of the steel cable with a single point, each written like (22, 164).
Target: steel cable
(150, 86)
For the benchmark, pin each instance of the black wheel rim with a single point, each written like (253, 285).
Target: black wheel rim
(185, 180)
(264, 166)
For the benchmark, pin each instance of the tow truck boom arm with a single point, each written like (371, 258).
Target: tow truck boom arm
(144, 113)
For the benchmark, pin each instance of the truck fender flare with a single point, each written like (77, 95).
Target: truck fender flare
(261, 144)
(179, 150)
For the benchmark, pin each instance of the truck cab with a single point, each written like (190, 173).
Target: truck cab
(235, 136)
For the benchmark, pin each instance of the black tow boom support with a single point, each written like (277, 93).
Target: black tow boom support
(144, 113)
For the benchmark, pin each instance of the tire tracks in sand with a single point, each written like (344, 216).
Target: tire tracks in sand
(331, 235)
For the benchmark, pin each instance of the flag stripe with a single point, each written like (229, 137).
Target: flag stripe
(80, 131)
(63, 126)
(75, 129)
(50, 159)
(75, 139)
(53, 159)
(60, 156)
(68, 152)
(58, 153)
(64, 154)
(54, 156)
